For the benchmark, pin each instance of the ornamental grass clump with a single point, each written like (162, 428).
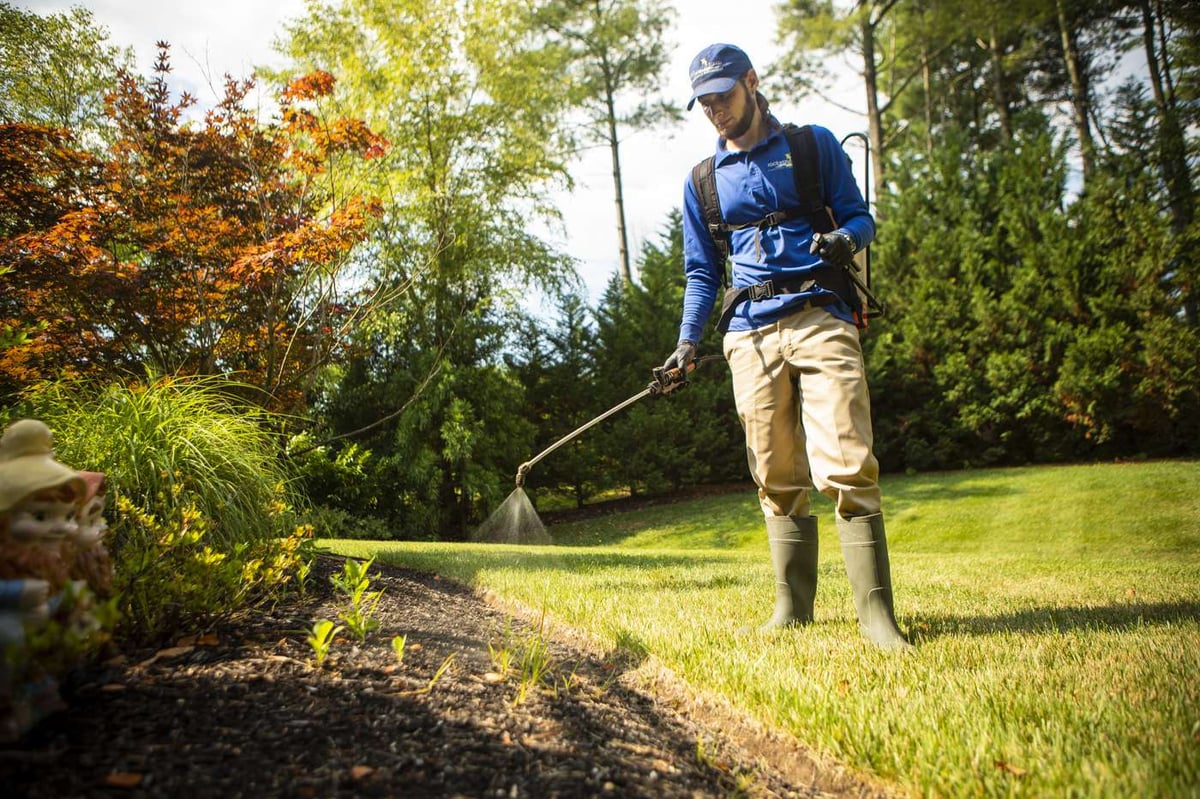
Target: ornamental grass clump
(200, 515)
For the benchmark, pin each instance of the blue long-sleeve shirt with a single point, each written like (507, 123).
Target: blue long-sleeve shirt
(751, 185)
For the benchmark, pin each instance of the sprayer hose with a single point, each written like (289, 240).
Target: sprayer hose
(525, 467)
(529, 464)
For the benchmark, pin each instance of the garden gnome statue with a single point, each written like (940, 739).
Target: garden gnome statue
(23, 603)
(40, 502)
(39, 505)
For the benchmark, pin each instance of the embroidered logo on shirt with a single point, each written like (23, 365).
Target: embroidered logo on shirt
(782, 163)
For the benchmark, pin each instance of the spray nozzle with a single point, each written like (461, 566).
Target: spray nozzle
(523, 470)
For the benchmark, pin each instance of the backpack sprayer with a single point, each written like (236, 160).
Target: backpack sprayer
(665, 381)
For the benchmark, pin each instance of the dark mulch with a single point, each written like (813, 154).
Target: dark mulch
(242, 712)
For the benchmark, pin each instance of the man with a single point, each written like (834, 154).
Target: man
(792, 342)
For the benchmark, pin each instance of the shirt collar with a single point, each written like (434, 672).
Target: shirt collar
(724, 154)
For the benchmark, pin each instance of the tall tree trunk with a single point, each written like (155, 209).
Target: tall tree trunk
(874, 115)
(1080, 94)
(615, 147)
(927, 78)
(1000, 94)
(1172, 147)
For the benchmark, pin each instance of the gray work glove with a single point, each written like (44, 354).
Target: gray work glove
(673, 373)
(682, 357)
(836, 248)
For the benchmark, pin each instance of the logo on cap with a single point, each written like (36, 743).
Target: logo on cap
(706, 68)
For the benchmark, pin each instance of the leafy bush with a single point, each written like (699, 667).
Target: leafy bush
(337, 523)
(201, 517)
(334, 477)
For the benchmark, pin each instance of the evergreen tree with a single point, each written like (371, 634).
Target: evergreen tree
(557, 370)
(691, 435)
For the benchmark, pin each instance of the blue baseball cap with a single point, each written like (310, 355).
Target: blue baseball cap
(716, 69)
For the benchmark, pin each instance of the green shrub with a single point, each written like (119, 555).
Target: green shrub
(337, 523)
(201, 517)
(334, 476)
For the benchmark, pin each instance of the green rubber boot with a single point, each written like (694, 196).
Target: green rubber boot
(864, 546)
(793, 541)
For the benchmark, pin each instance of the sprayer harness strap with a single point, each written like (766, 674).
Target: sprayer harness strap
(821, 277)
(806, 171)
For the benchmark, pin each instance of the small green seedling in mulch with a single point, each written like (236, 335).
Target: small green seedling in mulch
(398, 643)
(501, 656)
(442, 669)
(353, 583)
(536, 666)
(566, 683)
(529, 658)
(321, 639)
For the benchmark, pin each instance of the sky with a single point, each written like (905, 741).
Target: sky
(213, 37)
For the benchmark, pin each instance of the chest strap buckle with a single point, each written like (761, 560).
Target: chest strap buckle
(762, 291)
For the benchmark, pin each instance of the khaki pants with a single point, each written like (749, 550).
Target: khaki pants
(801, 393)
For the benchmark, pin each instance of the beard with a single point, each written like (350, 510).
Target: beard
(739, 126)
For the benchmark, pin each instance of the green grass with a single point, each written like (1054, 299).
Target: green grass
(1056, 612)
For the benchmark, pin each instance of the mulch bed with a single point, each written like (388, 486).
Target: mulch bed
(243, 712)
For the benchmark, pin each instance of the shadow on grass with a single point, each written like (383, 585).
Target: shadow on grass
(551, 559)
(1114, 618)
(629, 650)
(903, 495)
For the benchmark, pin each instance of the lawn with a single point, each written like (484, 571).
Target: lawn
(1055, 611)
